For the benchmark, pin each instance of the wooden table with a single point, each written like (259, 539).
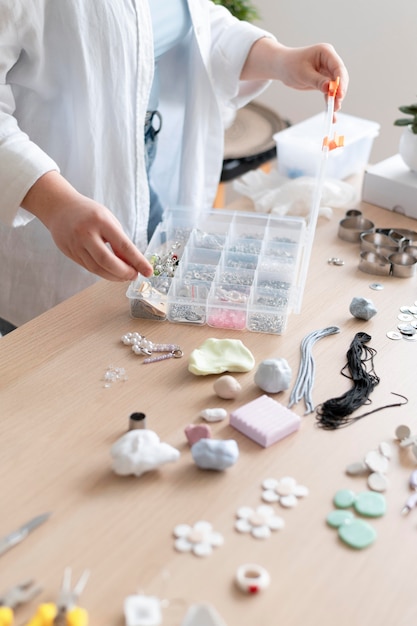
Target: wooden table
(59, 422)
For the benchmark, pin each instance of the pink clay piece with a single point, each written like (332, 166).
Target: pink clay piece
(195, 432)
(265, 420)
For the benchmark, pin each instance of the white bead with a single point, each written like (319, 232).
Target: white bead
(301, 491)
(202, 549)
(203, 527)
(377, 482)
(183, 545)
(276, 523)
(376, 462)
(213, 415)
(252, 578)
(243, 526)
(244, 512)
(270, 496)
(261, 532)
(265, 510)
(182, 530)
(288, 501)
(270, 483)
(357, 469)
(216, 539)
(385, 449)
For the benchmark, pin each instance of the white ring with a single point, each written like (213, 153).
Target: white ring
(252, 578)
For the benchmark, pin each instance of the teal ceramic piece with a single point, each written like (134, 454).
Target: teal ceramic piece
(344, 498)
(370, 504)
(357, 534)
(335, 519)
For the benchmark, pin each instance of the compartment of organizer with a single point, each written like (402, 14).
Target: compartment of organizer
(251, 226)
(187, 301)
(212, 230)
(235, 276)
(269, 303)
(239, 260)
(266, 319)
(149, 296)
(227, 305)
(245, 246)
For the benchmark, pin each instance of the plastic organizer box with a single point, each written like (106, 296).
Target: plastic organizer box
(231, 270)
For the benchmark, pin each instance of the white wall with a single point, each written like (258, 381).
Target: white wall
(377, 40)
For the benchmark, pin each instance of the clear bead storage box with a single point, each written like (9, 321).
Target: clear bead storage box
(231, 270)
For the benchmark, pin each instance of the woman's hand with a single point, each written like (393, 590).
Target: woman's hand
(84, 230)
(307, 68)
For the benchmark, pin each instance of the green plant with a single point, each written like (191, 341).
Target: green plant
(410, 109)
(242, 9)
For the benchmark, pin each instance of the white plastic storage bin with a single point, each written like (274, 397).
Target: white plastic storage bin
(299, 146)
(226, 269)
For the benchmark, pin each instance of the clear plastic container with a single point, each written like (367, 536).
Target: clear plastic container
(231, 270)
(299, 146)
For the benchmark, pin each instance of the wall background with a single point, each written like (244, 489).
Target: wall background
(377, 40)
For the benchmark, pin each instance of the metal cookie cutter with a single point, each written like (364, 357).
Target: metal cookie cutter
(411, 250)
(350, 228)
(373, 263)
(403, 236)
(379, 243)
(403, 265)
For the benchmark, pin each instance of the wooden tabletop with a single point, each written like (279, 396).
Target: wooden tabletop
(59, 421)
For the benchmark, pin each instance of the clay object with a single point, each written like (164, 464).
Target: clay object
(215, 454)
(362, 308)
(227, 387)
(195, 432)
(264, 420)
(216, 356)
(213, 415)
(273, 375)
(140, 451)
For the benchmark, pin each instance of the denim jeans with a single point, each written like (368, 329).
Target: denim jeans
(152, 129)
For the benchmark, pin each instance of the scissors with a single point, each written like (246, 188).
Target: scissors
(17, 595)
(65, 611)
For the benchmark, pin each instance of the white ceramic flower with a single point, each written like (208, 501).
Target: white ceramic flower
(199, 539)
(258, 522)
(286, 491)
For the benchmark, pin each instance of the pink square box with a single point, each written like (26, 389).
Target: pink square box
(265, 420)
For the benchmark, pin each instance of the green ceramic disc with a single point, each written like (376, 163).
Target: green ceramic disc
(357, 534)
(370, 504)
(335, 519)
(344, 498)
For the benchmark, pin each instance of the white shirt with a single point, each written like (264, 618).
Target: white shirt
(75, 78)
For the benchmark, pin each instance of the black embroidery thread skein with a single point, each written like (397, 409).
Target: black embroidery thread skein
(334, 413)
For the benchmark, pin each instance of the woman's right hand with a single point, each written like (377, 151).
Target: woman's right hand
(85, 230)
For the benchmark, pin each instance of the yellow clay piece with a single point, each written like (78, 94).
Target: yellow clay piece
(215, 356)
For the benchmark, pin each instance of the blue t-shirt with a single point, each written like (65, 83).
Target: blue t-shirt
(171, 22)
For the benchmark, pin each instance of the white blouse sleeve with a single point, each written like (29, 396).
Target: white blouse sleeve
(21, 161)
(231, 41)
